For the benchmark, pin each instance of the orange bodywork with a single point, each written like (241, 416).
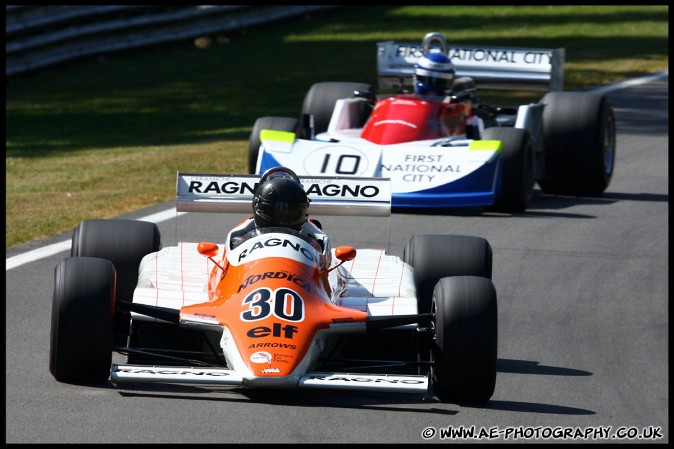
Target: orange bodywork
(273, 308)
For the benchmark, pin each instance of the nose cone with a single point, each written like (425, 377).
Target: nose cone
(275, 329)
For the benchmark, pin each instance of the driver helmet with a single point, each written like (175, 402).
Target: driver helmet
(280, 200)
(433, 74)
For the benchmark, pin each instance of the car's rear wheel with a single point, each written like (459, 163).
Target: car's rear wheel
(82, 320)
(274, 123)
(437, 256)
(579, 136)
(465, 331)
(517, 155)
(321, 98)
(124, 243)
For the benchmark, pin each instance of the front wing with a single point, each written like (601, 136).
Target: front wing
(225, 377)
(437, 173)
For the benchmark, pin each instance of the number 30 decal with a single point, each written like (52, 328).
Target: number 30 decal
(282, 303)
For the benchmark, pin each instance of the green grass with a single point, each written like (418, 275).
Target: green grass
(97, 139)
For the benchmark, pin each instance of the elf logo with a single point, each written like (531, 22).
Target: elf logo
(277, 330)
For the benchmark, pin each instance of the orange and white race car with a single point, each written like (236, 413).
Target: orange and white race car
(281, 310)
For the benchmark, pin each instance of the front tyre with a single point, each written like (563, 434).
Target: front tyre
(274, 123)
(579, 138)
(517, 172)
(464, 349)
(82, 319)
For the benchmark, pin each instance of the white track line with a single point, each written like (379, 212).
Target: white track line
(56, 248)
(633, 82)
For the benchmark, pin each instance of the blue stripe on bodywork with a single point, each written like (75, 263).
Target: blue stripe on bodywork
(480, 188)
(268, 161)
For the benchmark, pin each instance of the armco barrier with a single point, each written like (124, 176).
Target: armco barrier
(43, 36)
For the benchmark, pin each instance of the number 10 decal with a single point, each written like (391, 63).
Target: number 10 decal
(282, 303)
(346, 164)
(340, 160)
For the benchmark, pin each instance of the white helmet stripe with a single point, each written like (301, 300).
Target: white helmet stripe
(445, 75)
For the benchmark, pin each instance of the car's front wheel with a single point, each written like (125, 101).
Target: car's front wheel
(286, 124)
(465, 338)
(82, 319)
(517, 168)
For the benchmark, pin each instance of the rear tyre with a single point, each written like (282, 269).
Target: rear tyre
(277, 124)
(464, 350)
(82, 320)
(517, 155)
(579, 136)
(321, 98)
(124, 243)
(437, 256)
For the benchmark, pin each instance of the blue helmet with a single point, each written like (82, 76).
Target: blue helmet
(433, 74)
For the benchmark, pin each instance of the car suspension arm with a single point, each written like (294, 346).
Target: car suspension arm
(162, 313)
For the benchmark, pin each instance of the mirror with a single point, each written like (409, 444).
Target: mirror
(208, 249)
(345, 253)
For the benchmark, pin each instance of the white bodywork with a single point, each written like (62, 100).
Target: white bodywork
(491, 67)
(177, 276)
(411, 166)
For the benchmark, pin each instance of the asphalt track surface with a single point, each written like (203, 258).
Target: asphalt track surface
(583, 328)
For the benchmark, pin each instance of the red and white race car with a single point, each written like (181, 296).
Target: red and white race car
(451, 152)
(281, 310)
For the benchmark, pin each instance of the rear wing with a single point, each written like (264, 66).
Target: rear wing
(329, 195)
(532, 69)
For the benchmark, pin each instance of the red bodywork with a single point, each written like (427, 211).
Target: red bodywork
(407, 118)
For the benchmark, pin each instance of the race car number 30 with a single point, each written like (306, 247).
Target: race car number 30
(282, 303)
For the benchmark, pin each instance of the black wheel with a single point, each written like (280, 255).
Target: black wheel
(437, 256)
(579, 136)
(321, 98)
(82, 320)
(464, 350)
(124, 243)
(277, 124)
(517, 155)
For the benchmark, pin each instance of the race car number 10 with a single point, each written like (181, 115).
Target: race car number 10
(282, 303)
(339, 160)
(345, 164)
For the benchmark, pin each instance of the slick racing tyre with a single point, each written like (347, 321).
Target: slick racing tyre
(321, 98)
(579, 138)
(124, 243)
(437, 256)
(464, 349)
(275, 123)
(517, 182)
(83, 304)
